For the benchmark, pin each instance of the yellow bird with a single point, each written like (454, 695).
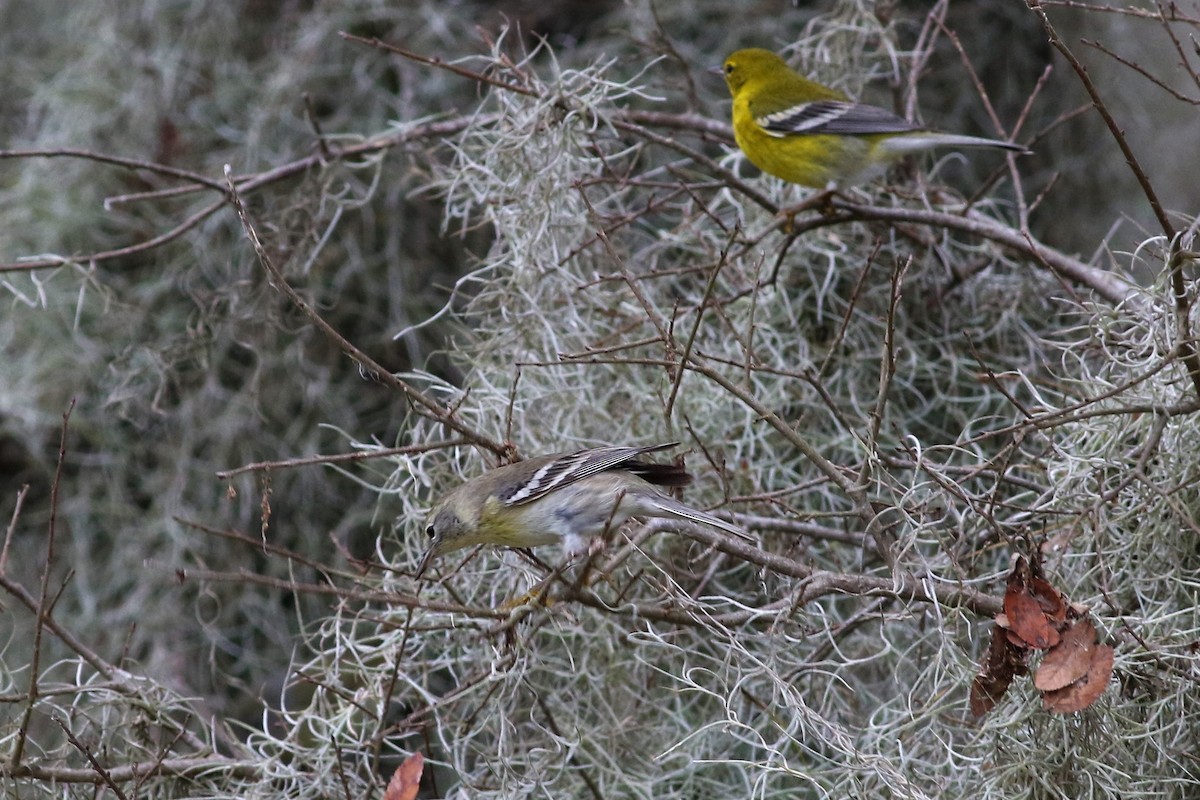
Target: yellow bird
(806, 133)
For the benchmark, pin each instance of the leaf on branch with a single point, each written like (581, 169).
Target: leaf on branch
(1049, 599)
(1026, 601)
(1090, 661)
(1083, 693)
(406, 780)
(1070, 660)
(1004, 662)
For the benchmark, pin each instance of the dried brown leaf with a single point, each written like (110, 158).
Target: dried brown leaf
(1069, 660)
(1003, 662)
(1087, 690)
(1049, 599)
(1027, 618)
(406, 780)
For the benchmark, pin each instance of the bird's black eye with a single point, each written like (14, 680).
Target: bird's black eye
(430, 532)
(729, 69)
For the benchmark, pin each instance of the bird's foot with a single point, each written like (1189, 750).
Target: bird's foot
(822, 201)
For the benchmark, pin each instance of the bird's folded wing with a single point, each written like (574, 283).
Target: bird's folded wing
(567, 468)
(834, 117)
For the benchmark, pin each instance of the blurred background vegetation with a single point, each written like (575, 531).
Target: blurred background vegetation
(183, 360)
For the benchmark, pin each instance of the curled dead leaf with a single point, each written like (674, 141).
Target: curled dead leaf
(1034, 609)
(406, 780)
(1049, 599)
(1028, 620)
(1069, 660)
(1086, 690)
(1004, 661)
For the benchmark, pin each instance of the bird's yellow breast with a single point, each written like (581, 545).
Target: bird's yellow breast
(807, 159)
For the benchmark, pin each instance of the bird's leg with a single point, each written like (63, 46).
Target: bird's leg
(568, 567)
(822, 200)
(540, 591)
(597, 546)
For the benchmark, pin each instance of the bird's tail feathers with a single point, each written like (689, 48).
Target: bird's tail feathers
(926, 140)
(671, 508)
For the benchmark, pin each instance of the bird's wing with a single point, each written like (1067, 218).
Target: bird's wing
(563, 470)
(833, 117)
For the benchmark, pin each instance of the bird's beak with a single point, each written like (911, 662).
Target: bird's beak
(717, 70)
(427, 559)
